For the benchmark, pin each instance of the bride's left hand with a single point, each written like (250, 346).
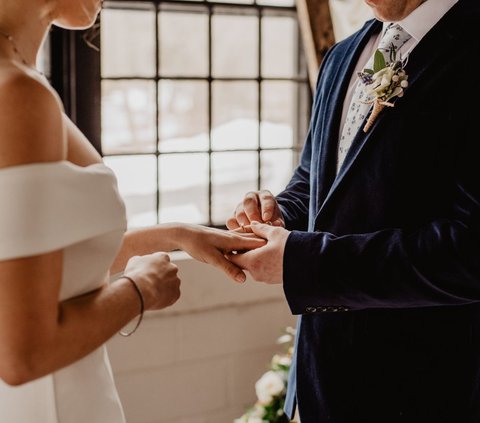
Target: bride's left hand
(209, 245)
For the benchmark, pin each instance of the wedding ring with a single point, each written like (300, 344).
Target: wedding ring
(268, 223)
(243, 228)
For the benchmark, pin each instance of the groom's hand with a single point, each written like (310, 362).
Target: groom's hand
(265, 264)
(257, 206)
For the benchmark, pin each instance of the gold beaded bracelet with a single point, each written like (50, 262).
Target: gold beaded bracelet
(142, 306)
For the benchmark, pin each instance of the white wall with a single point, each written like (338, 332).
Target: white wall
(198, 361)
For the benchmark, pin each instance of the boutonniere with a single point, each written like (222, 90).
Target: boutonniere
(384, 82)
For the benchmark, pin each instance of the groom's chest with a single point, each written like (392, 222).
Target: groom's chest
(405, 164)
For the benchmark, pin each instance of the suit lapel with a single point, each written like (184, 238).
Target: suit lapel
(439, 41)
(332, 113)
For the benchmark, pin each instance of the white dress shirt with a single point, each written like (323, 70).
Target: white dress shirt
(417, 24)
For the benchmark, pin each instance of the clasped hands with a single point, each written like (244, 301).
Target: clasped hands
(250, 244)
(260, 214)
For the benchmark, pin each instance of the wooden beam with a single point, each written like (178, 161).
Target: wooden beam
(317, 33)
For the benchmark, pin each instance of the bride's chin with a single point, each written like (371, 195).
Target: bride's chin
(83, 22)
(82, 19)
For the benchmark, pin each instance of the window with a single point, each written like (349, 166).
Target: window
(201, 102)
(43, 62)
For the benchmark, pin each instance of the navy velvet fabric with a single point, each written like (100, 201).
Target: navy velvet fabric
(383, 262)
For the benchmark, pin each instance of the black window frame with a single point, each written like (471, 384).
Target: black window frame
(76, 75)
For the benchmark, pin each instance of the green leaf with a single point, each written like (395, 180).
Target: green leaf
(369, 71)
(378, 61)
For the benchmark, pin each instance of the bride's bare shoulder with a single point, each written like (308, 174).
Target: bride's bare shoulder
(31, 123)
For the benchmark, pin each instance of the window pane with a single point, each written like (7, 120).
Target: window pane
(43, 61)
(235, 115)
(128, 116)
(279, 46)
(184, 42)
(184, 188)
(128, 43)
(233, 1)
(233, 175)
(189, 122)
(284, 3)
(235, 45)
(277, 168)
(279, 113)
(136, 180)
(183, 115)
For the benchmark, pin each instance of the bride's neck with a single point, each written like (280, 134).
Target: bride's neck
(28, 23)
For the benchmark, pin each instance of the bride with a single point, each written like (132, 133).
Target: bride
(62, 233)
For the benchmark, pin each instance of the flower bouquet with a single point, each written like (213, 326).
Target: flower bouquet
(272, 386)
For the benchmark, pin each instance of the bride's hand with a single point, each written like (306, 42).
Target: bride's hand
(209, 245)
(157, 279)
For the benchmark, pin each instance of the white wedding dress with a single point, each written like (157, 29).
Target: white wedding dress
(52, 206)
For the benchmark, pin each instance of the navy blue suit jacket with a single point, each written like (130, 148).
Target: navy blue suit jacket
(383, 262)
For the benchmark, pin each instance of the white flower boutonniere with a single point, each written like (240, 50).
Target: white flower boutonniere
(384, 82)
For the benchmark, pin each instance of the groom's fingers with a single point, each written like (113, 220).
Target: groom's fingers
(262, 230)
(232, 224)
(240, 260)
(230, 268)
(238, 219)
(246, 242)
(278, 222)
(252, 207)
(268, 205)
(244, 231)
(240, 215)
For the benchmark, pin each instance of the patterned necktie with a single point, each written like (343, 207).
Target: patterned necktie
(394, 36)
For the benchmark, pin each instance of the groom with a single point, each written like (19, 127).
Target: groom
(381, 251)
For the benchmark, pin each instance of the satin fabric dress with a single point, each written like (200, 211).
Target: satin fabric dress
(60, 206)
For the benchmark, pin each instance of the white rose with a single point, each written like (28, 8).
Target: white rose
(281, 360)
(382, 80)
(269, 385)
(258, 411)
(285, 339)
(291, 331)
(285, 360)
(255, 420)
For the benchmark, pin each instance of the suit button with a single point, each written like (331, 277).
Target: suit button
(311, 309)
(324, 309)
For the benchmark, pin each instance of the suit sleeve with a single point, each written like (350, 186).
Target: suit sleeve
(436, 264)
(294, 201)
